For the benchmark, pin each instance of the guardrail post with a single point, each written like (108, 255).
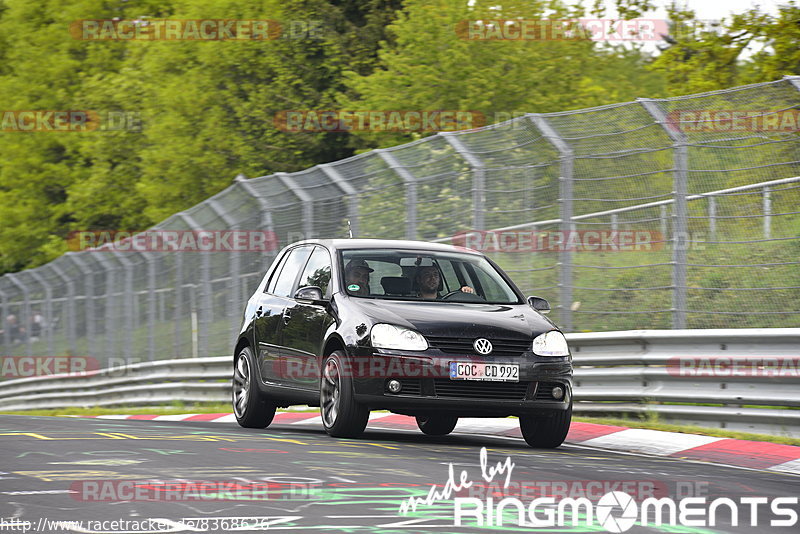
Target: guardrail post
(410, 182)
(565, 208)
(47, 309)
(680, 232)
(306, 201)
(25, 316)
(478, 178)
(351, 193)
(70, 319)
(767, 205)
(89, 304)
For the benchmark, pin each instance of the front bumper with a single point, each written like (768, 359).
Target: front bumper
(427, 387)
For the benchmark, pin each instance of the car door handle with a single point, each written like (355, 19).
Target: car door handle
(287, 315)
(259, 311)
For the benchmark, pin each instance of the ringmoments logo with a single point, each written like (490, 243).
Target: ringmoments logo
(614, 511)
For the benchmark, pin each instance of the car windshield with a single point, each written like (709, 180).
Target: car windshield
(423, 276)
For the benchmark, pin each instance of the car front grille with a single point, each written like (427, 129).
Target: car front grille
(463, 345)
(480, 390)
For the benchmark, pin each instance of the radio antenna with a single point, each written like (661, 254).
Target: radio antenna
(349, 229)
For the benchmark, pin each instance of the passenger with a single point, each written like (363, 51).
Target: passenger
(356, 273)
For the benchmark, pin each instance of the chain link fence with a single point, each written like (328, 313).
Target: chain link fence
(673, 213)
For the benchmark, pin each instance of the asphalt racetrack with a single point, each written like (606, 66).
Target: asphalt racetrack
(92, 475)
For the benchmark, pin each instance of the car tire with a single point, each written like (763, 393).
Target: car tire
(436, 425)
(547, 432)
(251, 408)
(342, 416)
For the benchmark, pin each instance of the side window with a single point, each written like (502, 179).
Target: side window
(317, 271)
(450, 278)
(270, 287)
(285, 281)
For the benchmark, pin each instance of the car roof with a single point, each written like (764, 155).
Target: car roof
(344, 244)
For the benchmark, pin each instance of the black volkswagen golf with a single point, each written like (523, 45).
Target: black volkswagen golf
(432, 331)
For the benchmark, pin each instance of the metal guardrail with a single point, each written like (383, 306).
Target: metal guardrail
(683, 376)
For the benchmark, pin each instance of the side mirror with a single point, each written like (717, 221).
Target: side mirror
(310, 295)
(539, 304)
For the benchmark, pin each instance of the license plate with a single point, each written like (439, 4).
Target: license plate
(494, 372)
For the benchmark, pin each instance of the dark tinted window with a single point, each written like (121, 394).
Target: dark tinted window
(317, 271)
(285, 281)
(270, 287)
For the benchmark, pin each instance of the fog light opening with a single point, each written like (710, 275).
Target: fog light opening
(558, 393)
(395, 386)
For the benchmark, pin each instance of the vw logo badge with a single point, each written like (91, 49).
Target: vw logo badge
(482, 346)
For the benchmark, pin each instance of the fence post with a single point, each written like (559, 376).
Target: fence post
(234, 262)
(680, 231)
(565, 208)
(25, 316)
(112, 304)
(70, 319)
(712, 218)
(266, 213)
(767, 205)
(351, 193)
(178, 348)
(89, 304)
(47, 309)
(205, 286)
(127, 305)
(6, 333)
(305, 199)
(151, 259)
(410, 182)
(478, 179)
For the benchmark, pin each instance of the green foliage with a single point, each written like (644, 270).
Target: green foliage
(750, 47)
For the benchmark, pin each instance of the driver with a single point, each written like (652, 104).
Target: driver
(356, 273)
(428, 278)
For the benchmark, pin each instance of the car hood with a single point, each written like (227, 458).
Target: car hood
(455, 319)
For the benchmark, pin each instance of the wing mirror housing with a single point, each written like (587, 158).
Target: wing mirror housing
(539, 304)
(310, 295)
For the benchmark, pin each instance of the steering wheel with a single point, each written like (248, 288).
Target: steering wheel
(469, 296)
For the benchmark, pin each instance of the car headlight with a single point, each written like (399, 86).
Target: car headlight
(551, 343)
(387, 336)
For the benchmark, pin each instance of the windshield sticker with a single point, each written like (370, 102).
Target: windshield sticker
(353, 287)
